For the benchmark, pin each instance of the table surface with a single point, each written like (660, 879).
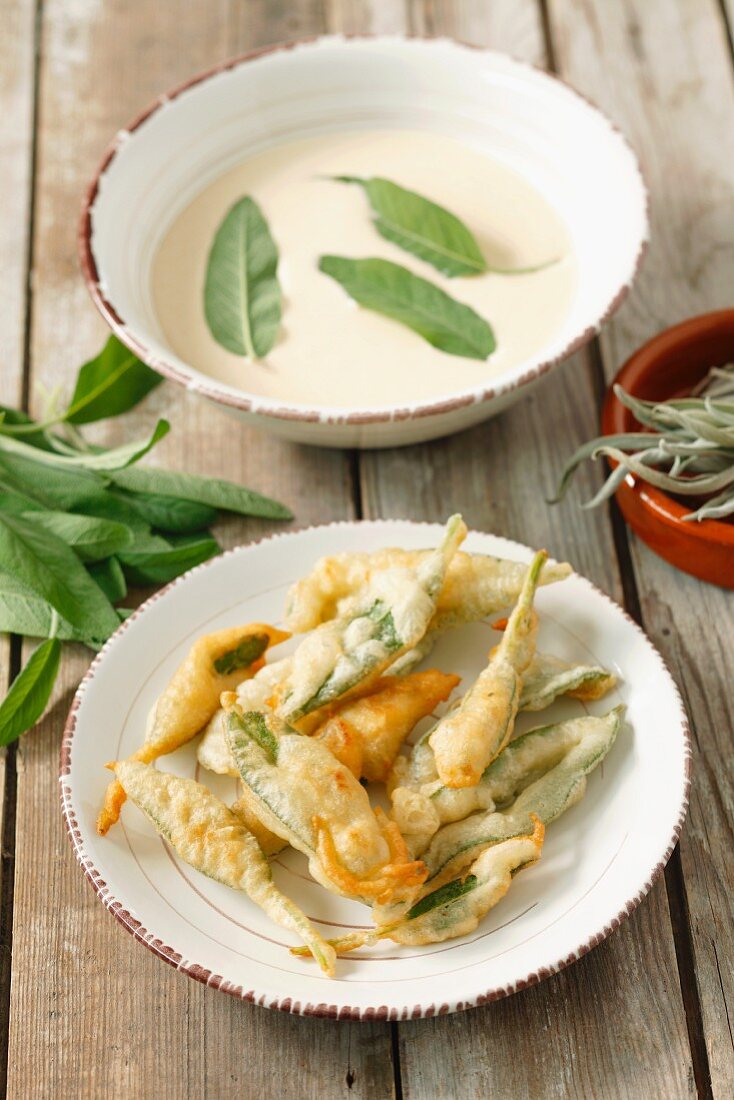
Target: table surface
(86, 1011)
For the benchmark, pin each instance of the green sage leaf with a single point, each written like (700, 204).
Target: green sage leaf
(421, 227)
(226, 495)
(90, 538)
(33, 433)
(242, 656)
(159, 567)
(30, 692)
(23, 611)
(42, 562)
(172, 514)
(110, 384)
(49, 486)
(102, 460)
(109, 576)
(395, 292)
(242, 299)
(451, 891)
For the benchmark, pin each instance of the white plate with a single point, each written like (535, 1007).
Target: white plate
(512, 112)
(598, 861)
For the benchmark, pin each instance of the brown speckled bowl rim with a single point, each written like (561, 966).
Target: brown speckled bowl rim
(322, 1009)
(254, 404)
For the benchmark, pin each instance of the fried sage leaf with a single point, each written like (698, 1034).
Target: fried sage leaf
(303, 794)
(389, 617)
(191, 699)
(421, 227)
(30, 691)
(395, 292)
(467, 740)
(242, 299)
(456, 845)
(208, 836)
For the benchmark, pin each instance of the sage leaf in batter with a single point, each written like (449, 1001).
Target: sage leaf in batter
(242, 299)
(395, 292)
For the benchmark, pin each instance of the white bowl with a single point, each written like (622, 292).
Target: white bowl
(530, 121)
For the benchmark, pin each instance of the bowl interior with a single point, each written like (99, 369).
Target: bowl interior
(531, 122)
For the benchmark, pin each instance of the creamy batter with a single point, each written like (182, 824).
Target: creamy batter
(331, 352)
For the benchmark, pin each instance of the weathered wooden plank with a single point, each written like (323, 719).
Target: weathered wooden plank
(684, 134)
(17, 70)
(104, 1015)
(554, 1040)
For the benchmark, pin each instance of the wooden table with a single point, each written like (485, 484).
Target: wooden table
(88, 1012)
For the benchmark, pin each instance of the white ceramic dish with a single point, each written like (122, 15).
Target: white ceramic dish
(518, 115)
(598, 861)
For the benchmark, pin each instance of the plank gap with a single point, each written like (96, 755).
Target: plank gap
(674, 880)
(7, 879)
(728, 26)
(7, 857)
(550, 49)
(397, 1074)
(354, 459)
(684, 952)
(30, 243)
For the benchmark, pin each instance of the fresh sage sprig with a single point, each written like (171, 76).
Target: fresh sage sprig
(426, 230)
(242, 299)
(688, 448)
(78, 523)
(395, 292)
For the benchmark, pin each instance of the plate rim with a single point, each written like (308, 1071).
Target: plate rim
(288, 1004)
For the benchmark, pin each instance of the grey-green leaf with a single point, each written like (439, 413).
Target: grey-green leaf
(421, 227)
(242, 299)
(395, 292)
(101, 460)
(110, 384)
(226, 495)
(159, 567)
(109, 576)
(23, 611)
(49, 486)
(90, 538)
(42, 562)
(172, 514)
(30, 691)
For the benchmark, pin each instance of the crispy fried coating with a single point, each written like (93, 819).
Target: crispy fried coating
(476, 585)
(212, 839)
(246, 811)
(381, 720)
(215, 663)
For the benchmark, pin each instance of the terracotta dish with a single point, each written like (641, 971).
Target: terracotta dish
(668, 366)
